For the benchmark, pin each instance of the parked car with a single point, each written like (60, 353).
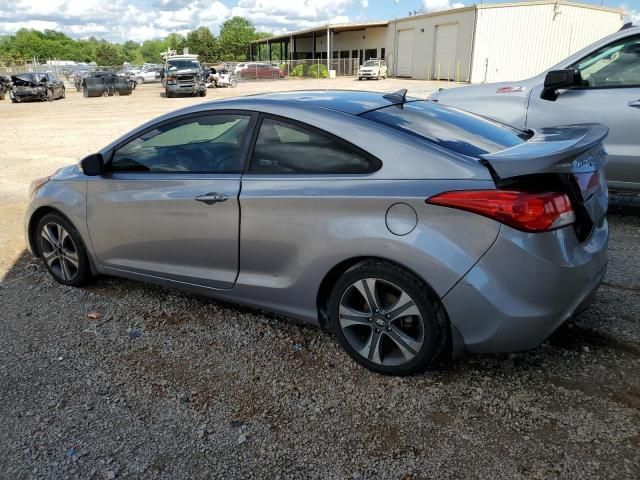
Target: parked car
(5, 85)
(600, 83)
(405, 227)
(36, 86)
(372, 68)
(148, 74)
(261, 70)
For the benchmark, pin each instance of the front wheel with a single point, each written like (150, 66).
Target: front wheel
(168, 93)
(62, 250)
(202, 93)
(387, 319)
(139, 81)
(64, 93)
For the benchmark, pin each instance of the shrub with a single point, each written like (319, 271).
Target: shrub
(318, 71)
(299, 71)
(283, 67)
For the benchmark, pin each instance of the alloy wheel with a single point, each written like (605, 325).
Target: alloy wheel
(59, 251)
(381, 322)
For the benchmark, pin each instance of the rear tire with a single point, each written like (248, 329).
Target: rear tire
(139, 81)
(404, 335)
(202, 93)
(62, 250)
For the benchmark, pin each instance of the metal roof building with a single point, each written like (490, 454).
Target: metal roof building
(497, 42)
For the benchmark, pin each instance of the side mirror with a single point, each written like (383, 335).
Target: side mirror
(93, 164)
(557, 79)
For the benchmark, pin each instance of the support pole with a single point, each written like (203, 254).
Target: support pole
(328, 48)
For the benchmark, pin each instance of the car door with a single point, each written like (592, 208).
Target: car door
(293, 194)
(167, 205)
(611, 96)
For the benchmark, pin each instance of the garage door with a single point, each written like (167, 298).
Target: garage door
(405, 53)
(446, 51)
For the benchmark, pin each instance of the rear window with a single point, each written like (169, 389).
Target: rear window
(453, 129)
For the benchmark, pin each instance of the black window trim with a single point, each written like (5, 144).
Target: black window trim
(609, 87)
(247, 171)
(244, 159)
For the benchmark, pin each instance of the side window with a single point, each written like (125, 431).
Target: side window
(285, 148)
(205, 144)
(615, 65)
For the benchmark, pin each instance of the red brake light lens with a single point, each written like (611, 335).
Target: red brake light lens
(530, 212)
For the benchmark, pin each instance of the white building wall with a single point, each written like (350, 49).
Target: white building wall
(516, 42)
(424, 34)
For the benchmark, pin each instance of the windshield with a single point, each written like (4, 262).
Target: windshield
(371, 64)
(182, 64)
(453, 129)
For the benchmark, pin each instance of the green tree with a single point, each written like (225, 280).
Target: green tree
(202, 43)
(235, 36)
(107, 55)
(152, 50)
(175, 41)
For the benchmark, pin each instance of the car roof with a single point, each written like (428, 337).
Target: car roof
(346, 101)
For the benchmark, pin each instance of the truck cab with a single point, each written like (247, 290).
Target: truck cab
(183, 75)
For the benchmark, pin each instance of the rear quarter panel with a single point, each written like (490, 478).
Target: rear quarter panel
(295, 230)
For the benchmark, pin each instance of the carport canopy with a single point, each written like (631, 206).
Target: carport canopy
(286, 43)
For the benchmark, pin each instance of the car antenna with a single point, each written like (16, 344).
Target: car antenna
(397, 97)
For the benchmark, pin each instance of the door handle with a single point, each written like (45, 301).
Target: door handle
(635, 103)
(211, 198)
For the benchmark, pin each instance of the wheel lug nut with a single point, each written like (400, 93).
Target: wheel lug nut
(370, 319)
(388, 316)
(388, 329)
(377, 330)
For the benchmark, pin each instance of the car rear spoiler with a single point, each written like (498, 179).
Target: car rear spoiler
(565, 149)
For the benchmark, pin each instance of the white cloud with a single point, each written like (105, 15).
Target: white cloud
(115, 20)
(279, 16)
(364, 3)
(119, 20)
(439, 5)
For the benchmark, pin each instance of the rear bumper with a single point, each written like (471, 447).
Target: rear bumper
(525, 287)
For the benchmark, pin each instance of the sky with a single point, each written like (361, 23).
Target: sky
(139, 20)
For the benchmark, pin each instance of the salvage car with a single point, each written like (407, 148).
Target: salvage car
(373, 69)
(407, 228)
(261, 70)
(600, 83)
(183, 74)
(5, 85)
(36, 86)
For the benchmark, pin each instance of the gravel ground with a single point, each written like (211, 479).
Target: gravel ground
(170, 385)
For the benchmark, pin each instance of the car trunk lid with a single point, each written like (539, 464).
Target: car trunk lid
(571, 158)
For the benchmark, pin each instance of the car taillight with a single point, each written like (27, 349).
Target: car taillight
(530, 212)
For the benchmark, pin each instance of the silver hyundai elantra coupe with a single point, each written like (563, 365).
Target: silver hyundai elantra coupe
(408, 229)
